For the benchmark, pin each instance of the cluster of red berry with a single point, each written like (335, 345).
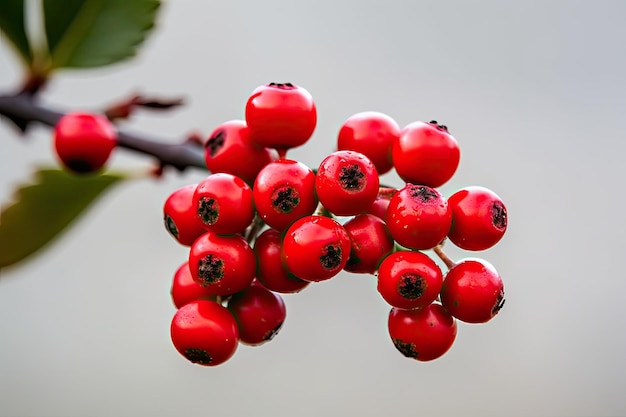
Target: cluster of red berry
(262, 224)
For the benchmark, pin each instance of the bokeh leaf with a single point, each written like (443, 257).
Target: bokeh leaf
(93, 33)
(42, 210)
(12, 24)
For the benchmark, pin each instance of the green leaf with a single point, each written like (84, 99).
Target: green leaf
(93, 33)
(42, 210)
(13, 26)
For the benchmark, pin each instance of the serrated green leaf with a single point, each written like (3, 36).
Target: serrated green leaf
(12, 24)
(44, 209)
(93, 33)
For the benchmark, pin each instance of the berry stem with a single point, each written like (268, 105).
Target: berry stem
(23, 108)
(254, 229)
(442, 255)
(386, 192)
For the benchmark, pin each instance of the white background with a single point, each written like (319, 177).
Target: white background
(534, 93)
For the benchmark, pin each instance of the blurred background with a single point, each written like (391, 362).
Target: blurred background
(534, 93)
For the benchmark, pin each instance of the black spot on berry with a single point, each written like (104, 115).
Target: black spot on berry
(210, 270)
(79, 166)
(407, 349)
(423, 193)
(411, 286)
(270, 335)
(285, 199)
(171, 226)
(199, 356)
(439, 125)
(498, 215)
(286, 86)
(331, 257)
(499, 303)
(351, 178)
(215, 142)
(208, 210)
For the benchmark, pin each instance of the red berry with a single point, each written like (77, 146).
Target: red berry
(473, 291)
(284, 191)
(259, 313)
(180, 216)
(230, 149)
(418, 217)
(223, 264)
(479, 218)
(370, 243)
(84, 142)
(372, 134)
(424, 334)
(381, 204)
(316, 248)
(205, 333)
(281, 115)
(223, 203)
(185, 289)
(426, 154)
(271, 271)
(409, 280)
(346, 183)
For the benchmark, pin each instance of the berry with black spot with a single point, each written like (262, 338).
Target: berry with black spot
(224, 203)
(372, 134)
(346, 183)
(418, 217)
(473, 291)
(230, 149)
(281, 116)
(479, 218)
(316, 248)
(370, 241)
(259, 313)
(223, 264)
(283, 192)
(271, 272)
(84, 141)
(426, 153)
(204, 332)
(409, 280)
(422, 334)
(179, 216)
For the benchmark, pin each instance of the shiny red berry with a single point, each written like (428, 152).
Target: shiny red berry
(271, 272)
(259, 313)
(185, 289)
(473, 291)
(479, 218)
(409, 280)
(418, 217)
(370, 242)
(230, 149)
(372, 134)
(179, 216)
(224, 204)
(223, 264)
(205, 333)
(424, 334)
(426, 154)
(83, 141)
(316, 248)
(381, 204)
(284, 191)
(281, 115)
(346, 183)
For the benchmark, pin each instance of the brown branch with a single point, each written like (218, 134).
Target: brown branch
(23, 108)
